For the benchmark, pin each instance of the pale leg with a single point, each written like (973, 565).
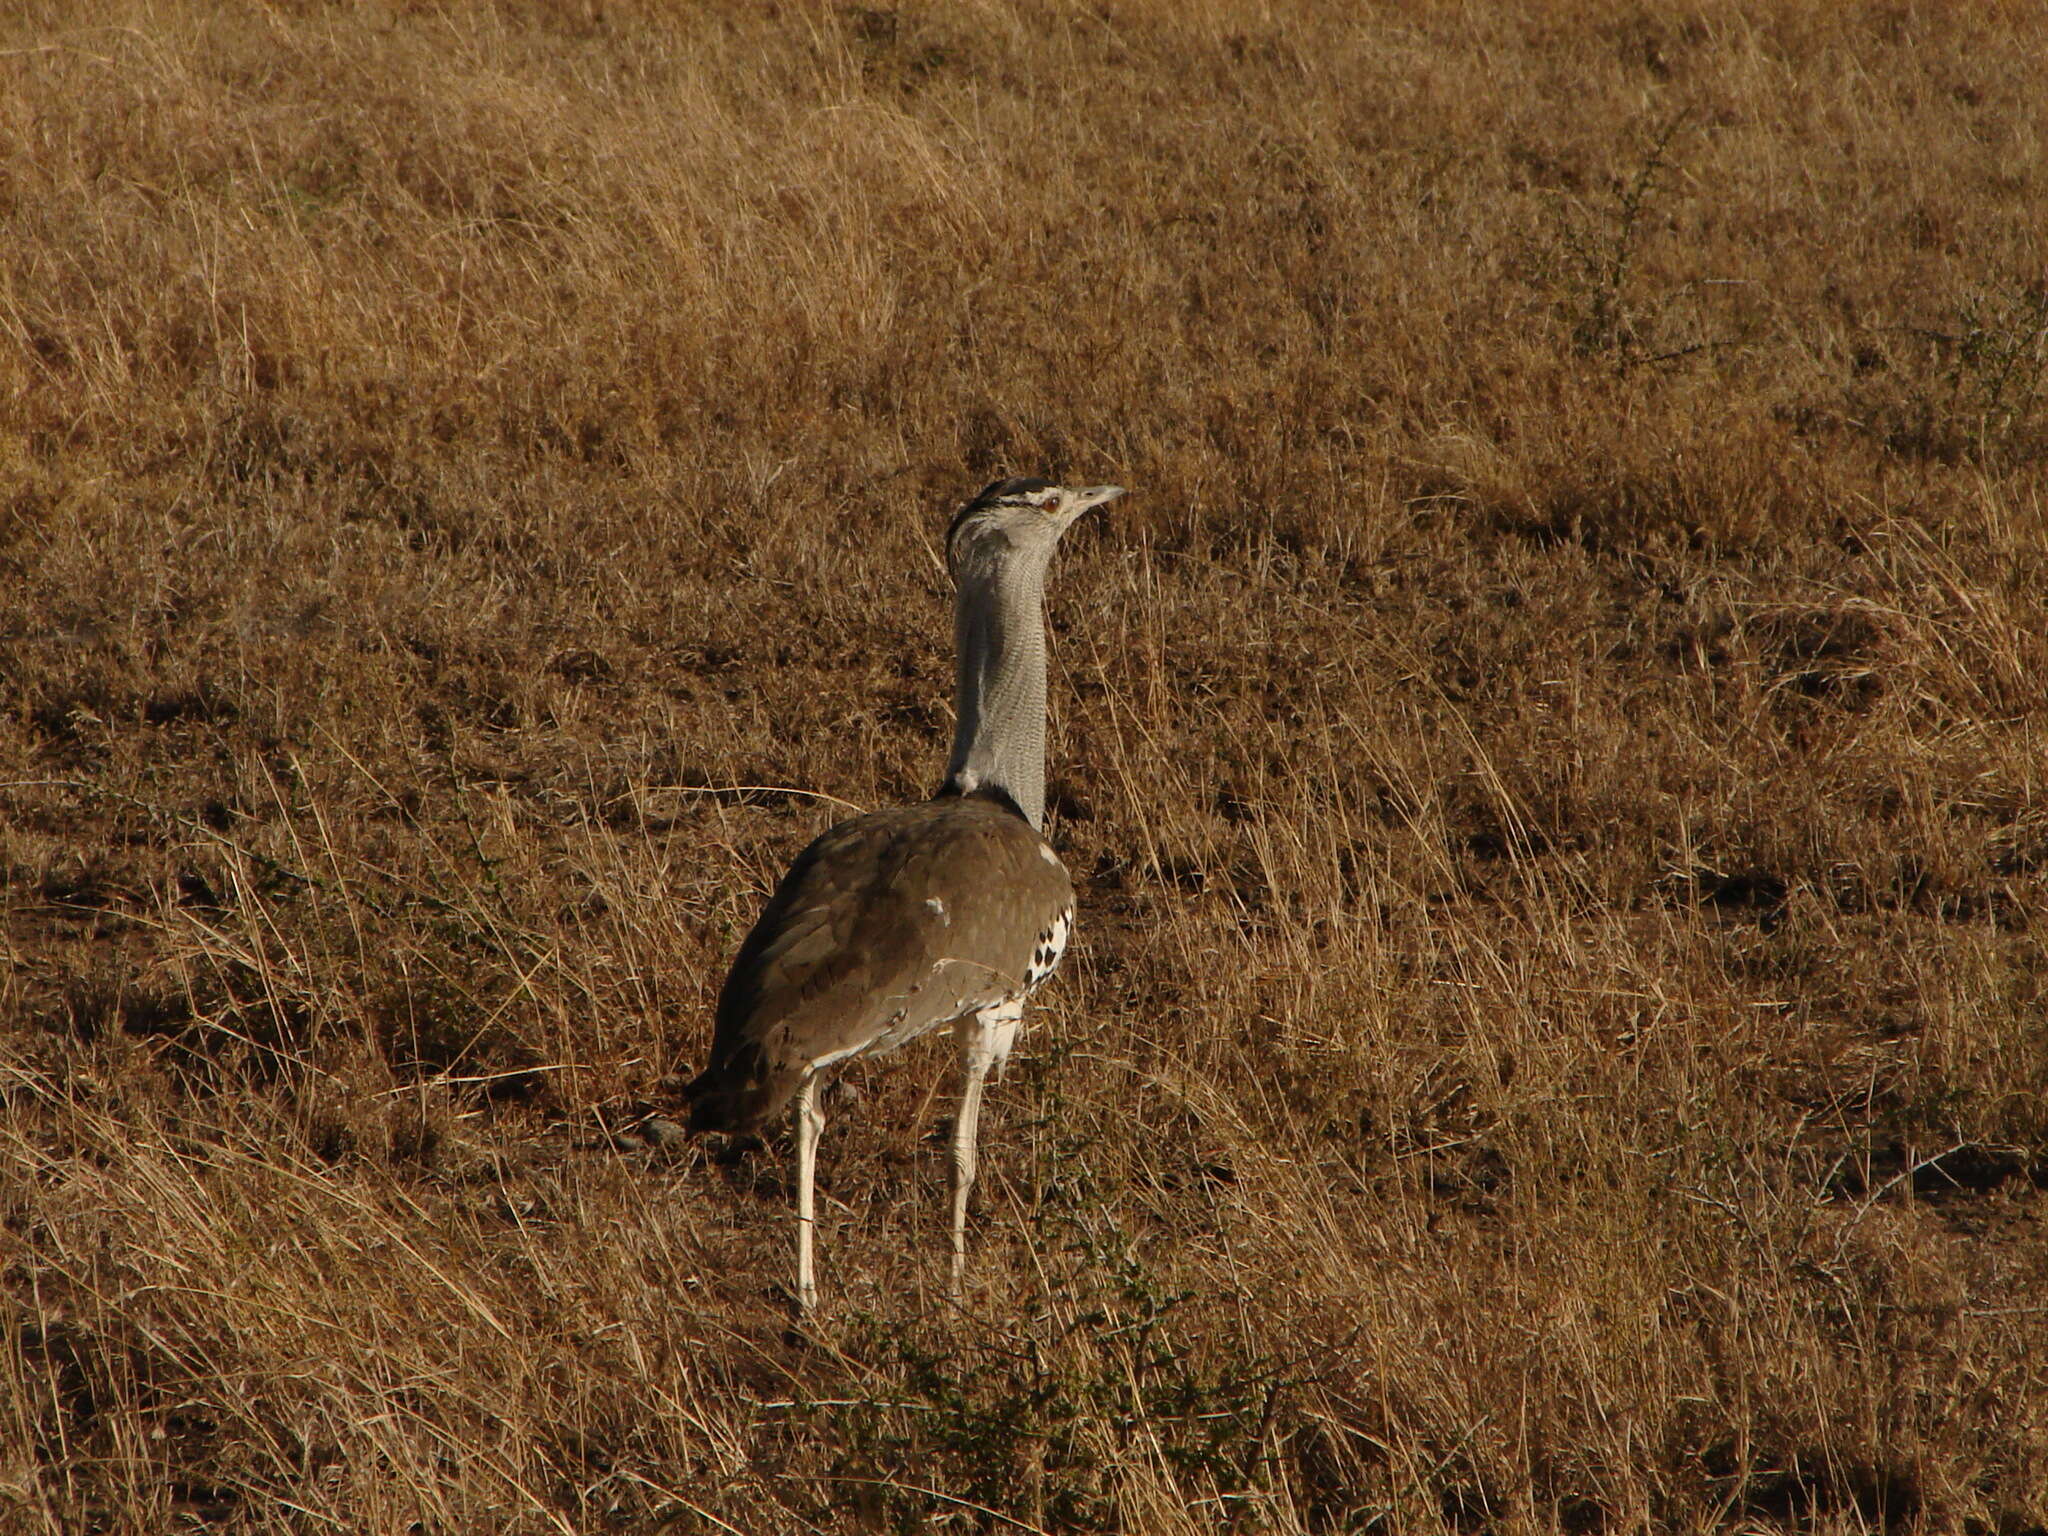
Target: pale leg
(810, 1122)
(982, 1036)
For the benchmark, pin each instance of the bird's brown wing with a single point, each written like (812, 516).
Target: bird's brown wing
(886, 926)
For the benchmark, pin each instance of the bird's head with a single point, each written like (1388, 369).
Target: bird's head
(1018, 517)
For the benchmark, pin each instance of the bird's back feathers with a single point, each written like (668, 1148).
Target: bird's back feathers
(886, 926)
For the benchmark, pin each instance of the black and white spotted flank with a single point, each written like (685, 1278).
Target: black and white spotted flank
(1052, 943)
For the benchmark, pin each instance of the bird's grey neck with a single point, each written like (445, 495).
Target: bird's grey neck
(999, 636)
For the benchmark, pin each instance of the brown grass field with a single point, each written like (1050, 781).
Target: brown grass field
(1554, 751)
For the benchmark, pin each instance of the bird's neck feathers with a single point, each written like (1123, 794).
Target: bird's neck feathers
(999, 636)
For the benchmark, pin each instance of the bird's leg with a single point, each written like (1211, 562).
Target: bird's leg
(980, 1035)
(977, 1053)
(810, 1122)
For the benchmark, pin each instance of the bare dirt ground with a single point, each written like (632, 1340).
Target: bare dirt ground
(1552, 749)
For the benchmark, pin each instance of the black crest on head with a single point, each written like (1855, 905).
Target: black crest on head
(1020, 485)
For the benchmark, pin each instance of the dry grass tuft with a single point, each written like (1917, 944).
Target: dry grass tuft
(1554, 750)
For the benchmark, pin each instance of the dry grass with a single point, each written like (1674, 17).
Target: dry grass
(1554, 751)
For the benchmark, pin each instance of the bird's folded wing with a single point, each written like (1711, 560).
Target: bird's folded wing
(894, 923)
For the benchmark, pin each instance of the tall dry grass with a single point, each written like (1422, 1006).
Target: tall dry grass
(1553, 750)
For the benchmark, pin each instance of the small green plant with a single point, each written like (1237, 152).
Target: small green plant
(1608, 314)
(1978, 395)
(1998, 365)
(1606, 322)
(1042, 1420)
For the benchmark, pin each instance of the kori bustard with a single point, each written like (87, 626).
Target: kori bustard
(900, 921)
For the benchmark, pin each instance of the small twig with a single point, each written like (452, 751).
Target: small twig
(1863, 1210)
(753, 789)
(934, 1493)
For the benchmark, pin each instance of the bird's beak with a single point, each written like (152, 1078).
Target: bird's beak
(1094, 496)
